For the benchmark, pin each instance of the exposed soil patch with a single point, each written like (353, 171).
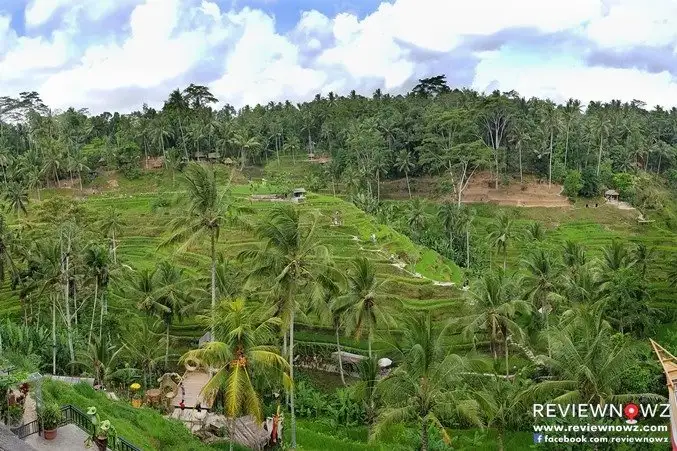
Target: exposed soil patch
(532, 193)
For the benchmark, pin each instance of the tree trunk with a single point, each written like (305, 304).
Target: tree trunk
(285, 353)
(340, 361)
(566, 146)
(378, 186)
(424, 435)
(91, 326)
(519, 151)
(406, 175)
(80, 178)
(369, 344)
(291, 376)
(69, 329)
(501, 446)
(183, 140)
(213, 255)
(493, 340)
(167, 344)
(550, 161)
(507, 364)
(599, 155)
(115, 249)
(467, 247)
(103, 300)
(53, 334)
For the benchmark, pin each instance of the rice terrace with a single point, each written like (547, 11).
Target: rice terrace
(424, 265)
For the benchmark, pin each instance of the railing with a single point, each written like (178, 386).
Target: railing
(27, 429)
(73, 415)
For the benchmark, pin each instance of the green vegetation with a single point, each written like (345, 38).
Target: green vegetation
(112, 267)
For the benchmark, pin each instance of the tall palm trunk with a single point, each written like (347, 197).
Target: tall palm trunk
(406, 176)
(599, 155)
(507, 369)
(53, 334)
(69, 329)
(91, 325)
(550, 161)
(115, 248)
(566, 146)
(467, 247)
(167, 344)
(213, 255)
(291, 376)
(340, 360)
(103, 301)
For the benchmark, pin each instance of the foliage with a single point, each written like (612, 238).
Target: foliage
(50, 415)
(573, 184)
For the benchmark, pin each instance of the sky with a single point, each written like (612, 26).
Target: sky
(115, 55)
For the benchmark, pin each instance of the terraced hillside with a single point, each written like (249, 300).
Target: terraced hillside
(419, 277)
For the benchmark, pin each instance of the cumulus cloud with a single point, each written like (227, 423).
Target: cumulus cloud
(591, 49)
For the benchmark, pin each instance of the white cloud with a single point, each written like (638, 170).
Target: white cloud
(636, 22)
(244, 59)
(560, 80)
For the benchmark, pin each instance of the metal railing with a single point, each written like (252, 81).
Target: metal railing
(73, 415)
(27, 429)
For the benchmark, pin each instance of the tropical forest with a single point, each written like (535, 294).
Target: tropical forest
(357, 272)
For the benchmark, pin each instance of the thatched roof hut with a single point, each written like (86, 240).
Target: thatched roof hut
(247, 432)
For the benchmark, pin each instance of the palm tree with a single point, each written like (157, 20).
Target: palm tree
(241, 353)
(450, 216)
(294, 258)
(363, 304)
(494, 312)
(16, 197)
(324, 304)
(589, 361)
(169, 298)
(365, 389)
(540, 283)
(550, 120)
(600, 126)
(143, 347)
(246, 144)
(6, 262)
(672, 274)
(571, 112)
(101, 358)
(161, 131)
(642, 255)
(499, 399)
(404, 162)
(112, 225)
(500, 233)
(416, 215)
(97, 261)
(425, 385)
(208, 212)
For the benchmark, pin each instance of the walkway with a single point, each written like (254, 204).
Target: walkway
(68, 438)
(193, 381)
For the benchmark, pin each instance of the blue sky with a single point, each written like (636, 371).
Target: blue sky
(118, 54)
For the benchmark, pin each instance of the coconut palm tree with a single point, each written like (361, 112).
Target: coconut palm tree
(241, 352)
(495, 307)
(16, 197)
(112, 225)
(425, 386)
(208, 212)
(500, 234)
(97, 262)
(101, 358)
(246, 144)
(169, 298)
(6, 262)
(589, 361)
(498, 400)
(143, 347)
(294, 258)
(364, 304)
(404, 162)
(540, 282)
(323, 303)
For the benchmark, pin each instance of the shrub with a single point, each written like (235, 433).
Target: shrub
(50, 415)
(573, 183)
(591, 183)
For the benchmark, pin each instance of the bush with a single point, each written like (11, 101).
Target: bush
(573, 183)
(50, 415)
(591, 183)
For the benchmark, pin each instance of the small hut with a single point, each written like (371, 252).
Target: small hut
(213, 157)
(298, 195)
(611, 195)
(229, 161)
(206, 338)
(199, 156)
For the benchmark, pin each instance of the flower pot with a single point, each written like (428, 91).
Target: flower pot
(101, 443)
(136, 403)
(49, 434)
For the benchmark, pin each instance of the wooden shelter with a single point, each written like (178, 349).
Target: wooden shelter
(213, 156)
(249, 433)
(611, 195)
(229, 161)
(298, 195)
(669, 364)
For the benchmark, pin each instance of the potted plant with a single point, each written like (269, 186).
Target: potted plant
(50, 416)
(103, 431)
(136, 396)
